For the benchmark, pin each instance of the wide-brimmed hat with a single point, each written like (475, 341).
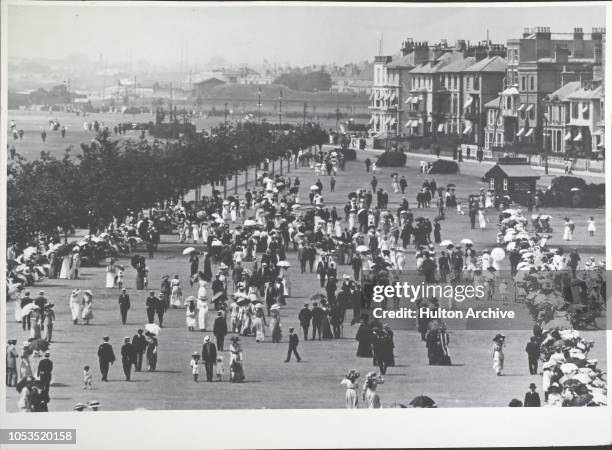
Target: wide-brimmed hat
(499, 337)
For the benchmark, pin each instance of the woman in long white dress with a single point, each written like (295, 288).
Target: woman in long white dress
(87, 313)
(65, 270)
(351, 385)
(75, 305)
(202, 305)
(175, 294)
(370, 396)
(498, 354)
(568, 230)
(195, 233)
(482, 219)
(259, 326)
(111, 272)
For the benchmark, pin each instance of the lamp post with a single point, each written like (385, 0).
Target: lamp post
(259, 105)
(225, 114)
(545, 135)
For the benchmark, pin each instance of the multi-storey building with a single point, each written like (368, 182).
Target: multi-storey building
(494, 127)
(539, 63)
(384, 99)
(584, 137)
(481, 83)
(557, 118)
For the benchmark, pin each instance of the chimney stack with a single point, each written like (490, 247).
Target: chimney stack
(597, 33)
(526, 32)
(561, 54)
(578, 34)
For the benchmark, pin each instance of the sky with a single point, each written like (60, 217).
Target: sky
(296, 35)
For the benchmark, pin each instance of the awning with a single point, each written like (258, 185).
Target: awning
(578, 137)
(392, 97)
(468, 103)
(521, 132)
(415, 100)
(371, 95)
(568, 136)
(510, 91)
(467, 129)
(408, 124)
(392, 123)
(409, 99)
(585, 108)
(377, 95)
(529, 132)
(386, 96)
(530, 107)
(440, 128)
(522, 107)
(371, 120)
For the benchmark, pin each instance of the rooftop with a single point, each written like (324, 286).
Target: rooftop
(493, 103)
(491, 64)
(514, 170)
(561, 94)
(586, 94)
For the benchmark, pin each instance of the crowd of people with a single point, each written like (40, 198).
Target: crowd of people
(238, 263)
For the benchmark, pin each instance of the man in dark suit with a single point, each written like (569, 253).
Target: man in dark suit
(45, 372)
(533, 354)
(124, 305)
(305, 316)
(209, 357)
(220, 330)
(106, 357)
(151, 306)
(317, 319)
(139, 341)
(294, 340)
(532, 398)
(128, 357)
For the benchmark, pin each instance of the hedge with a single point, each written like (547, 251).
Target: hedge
(391, 159)
(443, 166)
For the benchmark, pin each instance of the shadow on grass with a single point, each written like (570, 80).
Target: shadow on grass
(161, 371)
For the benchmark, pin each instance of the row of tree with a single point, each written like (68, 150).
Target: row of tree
(112, 178)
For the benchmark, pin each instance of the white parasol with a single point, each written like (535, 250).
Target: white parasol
(152, 328)
(314, 187)
(362, 248)
(188, 251)
(283, 264)
(446, 243)
(498, 254)
(466, 241)
(216, 243)
(249, 223)
(275, 307)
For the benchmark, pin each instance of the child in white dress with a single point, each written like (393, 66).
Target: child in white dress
(195, 366)
(591, 228)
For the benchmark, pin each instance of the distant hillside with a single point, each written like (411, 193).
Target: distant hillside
(242, 92)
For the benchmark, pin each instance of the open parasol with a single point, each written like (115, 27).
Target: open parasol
(466, 241)
(188, 251)
(153, 328)
(314, 187)
(283, 264)
(362, 248)
(250, 223)
(422, 401)
(446, 243)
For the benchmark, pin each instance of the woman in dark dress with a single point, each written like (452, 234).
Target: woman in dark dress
(364, 336)
(151, 352)
(326, 330)
(194, 264)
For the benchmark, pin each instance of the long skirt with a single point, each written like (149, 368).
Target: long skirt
(110, 279)
(65, 270)
(175, 297)
(17, 315)
(75, 308)
(498, 362)
(139, 282)
(351, 398)
(236, 372)
(202, 317)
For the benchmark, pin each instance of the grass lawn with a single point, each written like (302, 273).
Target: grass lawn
(270, 383)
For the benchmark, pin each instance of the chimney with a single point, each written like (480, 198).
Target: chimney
(598, 52)
(407, 46)
(578, 34)
(526, 32)
(542, 33)
(497, 50)
(460, 45)
(597, 34)
(421, 52)
(561, 54)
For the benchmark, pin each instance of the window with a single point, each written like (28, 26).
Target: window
(442, 81)
(468, 81)
(476, 83)
(532, 83)
(492, 183)
(585, 110)
(532, 112)
(574, 110)
(505, 184)
(509, 103)
(523, 83)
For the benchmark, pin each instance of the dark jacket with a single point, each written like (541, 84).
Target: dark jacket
(220, 327)
(45, 367)
(294, 340)
(105, 352)
(139, 341)
(124, 301)
(317, 314)
(128, 352)
(209, 353)
(532, 399)
(305, 316)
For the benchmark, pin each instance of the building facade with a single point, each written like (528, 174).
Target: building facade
(556, 119)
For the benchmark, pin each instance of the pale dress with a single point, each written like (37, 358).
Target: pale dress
(110, 276)
(65, 270)
(75, 306)
(202, 306)
(351, 393)
(498, 359)
(175, 296)
(372, 400)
